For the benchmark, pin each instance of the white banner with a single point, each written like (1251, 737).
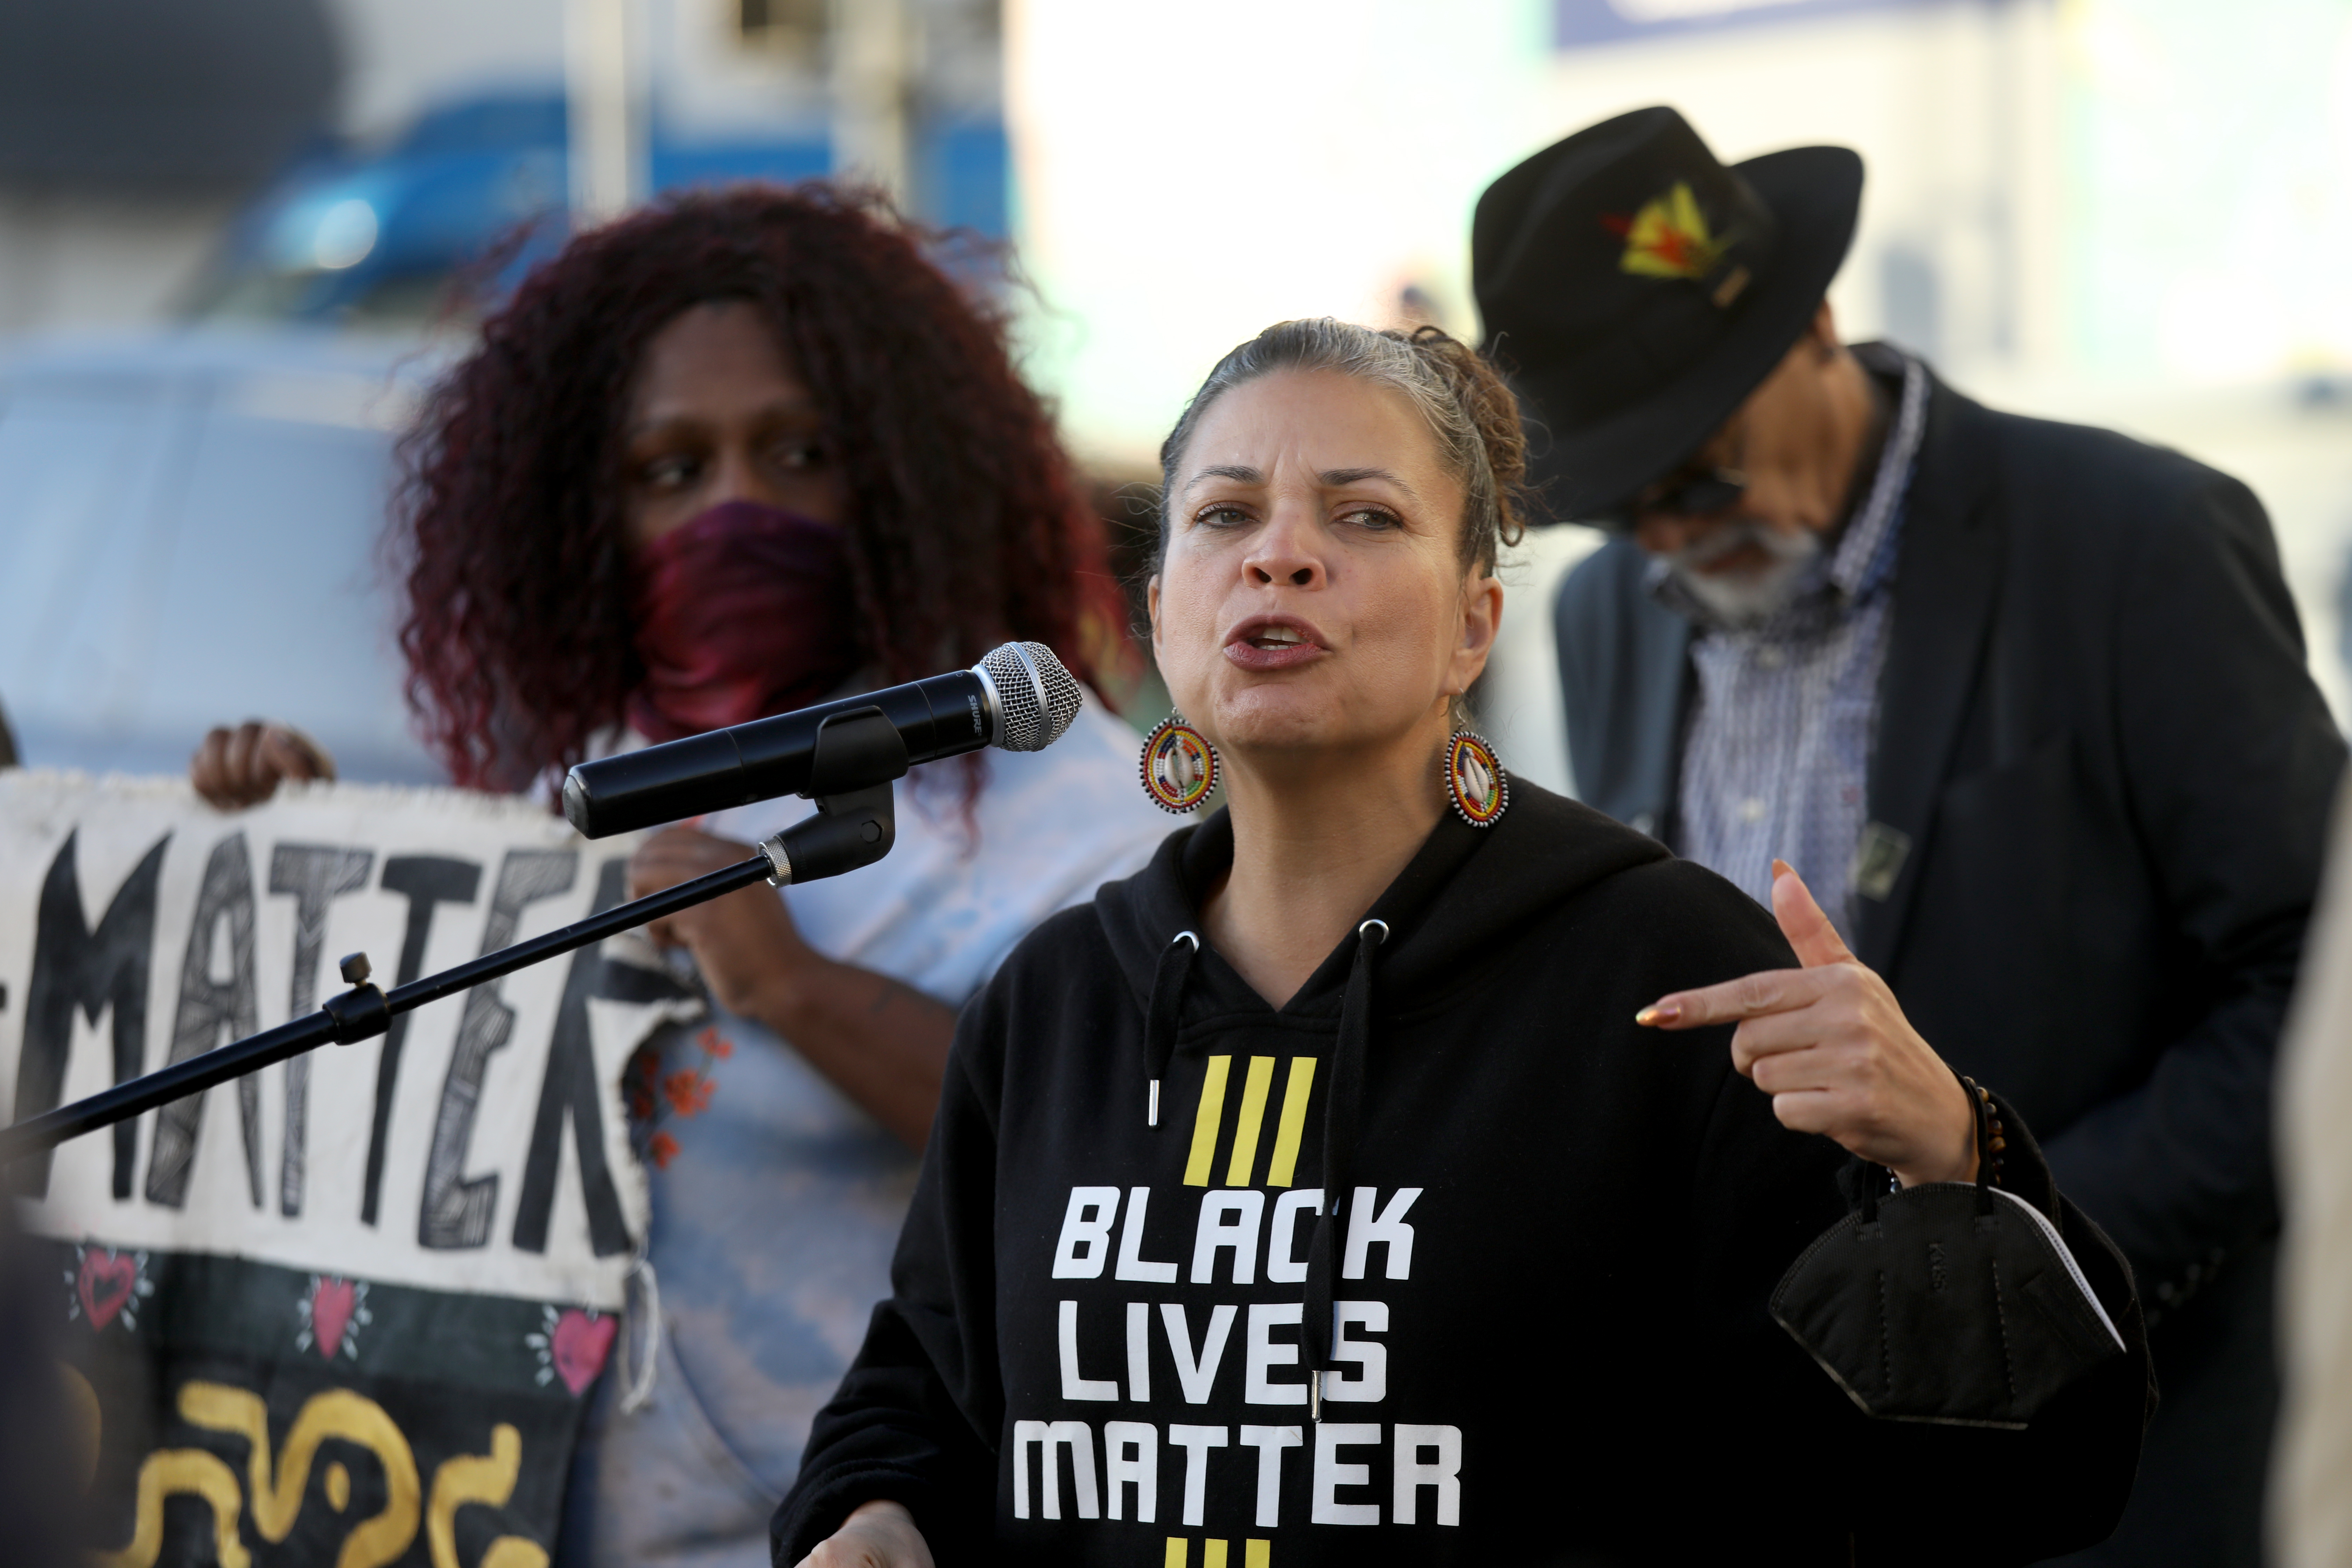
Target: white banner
(480, 1147)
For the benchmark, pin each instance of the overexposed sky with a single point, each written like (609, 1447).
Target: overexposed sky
(1189, 175)
(2058, 189)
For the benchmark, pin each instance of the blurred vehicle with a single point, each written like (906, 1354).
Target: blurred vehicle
(191, 519)
(189, 534)
(374, 238)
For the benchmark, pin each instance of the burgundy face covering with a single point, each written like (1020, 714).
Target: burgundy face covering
(743, 612)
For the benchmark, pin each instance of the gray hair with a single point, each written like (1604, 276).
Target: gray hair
(1469, 411)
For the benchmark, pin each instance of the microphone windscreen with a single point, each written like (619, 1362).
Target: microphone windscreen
(1038, 697)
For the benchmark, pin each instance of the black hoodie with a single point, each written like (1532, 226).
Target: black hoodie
(1549, 1267)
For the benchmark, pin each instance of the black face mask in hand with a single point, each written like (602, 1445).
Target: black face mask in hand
(1893, 1302)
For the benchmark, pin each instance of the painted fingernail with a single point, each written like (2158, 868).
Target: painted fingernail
(1781, 869)
(1658, 1013)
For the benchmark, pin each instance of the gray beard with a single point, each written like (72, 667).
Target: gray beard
(1742, 600)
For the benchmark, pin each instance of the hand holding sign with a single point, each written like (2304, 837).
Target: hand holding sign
(745, 944)
(882, 1043)
(1831, 1045)
(236, 768)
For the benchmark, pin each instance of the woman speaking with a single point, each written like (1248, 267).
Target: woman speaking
(1371, 1179)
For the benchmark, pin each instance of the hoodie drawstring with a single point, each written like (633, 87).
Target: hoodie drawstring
(1160, 1018)
(1341, 1110)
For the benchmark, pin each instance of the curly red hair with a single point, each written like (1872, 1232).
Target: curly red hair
(967, 520)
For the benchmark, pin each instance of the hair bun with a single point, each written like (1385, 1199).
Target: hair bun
(1494, 410)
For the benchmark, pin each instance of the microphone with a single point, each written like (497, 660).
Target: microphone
(1019, 697)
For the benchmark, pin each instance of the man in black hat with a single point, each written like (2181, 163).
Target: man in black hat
(2025, 702)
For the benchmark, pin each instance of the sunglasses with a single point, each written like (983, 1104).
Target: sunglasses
(1686, 492)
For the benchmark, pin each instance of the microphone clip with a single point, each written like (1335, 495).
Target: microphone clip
(857, 754)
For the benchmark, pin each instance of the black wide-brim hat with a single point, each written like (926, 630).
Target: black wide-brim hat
(1635, 291)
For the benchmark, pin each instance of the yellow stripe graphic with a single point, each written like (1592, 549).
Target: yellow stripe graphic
(1293, 1125)
(1213, 1553)
(1251, 1122)
(1204, 1124)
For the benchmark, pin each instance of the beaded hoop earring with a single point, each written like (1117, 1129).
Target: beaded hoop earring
(1179, 765)
(1475, 781)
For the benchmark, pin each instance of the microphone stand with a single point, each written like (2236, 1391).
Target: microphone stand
(855, 826)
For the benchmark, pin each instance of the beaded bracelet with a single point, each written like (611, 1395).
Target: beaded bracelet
(1988, 1122)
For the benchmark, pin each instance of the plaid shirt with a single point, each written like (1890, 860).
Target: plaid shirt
(1776, 754)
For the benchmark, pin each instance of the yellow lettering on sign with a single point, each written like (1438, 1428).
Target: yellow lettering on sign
(277, 1483)
(514, 1552)
(338, 1413)
(488, 1480)
(89, 1423)
(187, 1472)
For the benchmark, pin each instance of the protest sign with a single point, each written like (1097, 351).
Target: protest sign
(347, 1309)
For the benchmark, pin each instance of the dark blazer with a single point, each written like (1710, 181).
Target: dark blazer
(2101, 786)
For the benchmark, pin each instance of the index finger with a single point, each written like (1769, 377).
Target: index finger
(1757, 995)
(1808, 929)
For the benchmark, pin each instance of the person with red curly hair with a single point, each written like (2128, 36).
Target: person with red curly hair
(735, 454)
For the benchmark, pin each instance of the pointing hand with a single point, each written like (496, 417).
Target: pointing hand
(1831, 1045)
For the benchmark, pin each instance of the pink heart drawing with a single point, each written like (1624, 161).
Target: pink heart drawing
(580, 1344)
(105, 1285)
(331, 1314)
